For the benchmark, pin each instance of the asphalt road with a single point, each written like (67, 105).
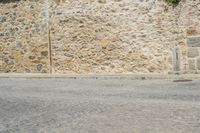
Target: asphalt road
(99, 106)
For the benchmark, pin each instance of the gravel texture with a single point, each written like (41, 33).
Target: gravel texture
(99, 106)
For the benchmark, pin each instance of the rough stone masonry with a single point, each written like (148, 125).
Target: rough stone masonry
(99, 36)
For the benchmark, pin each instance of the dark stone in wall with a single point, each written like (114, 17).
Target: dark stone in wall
(39, 67)
(44, 53)
(2, 19)
(8, 1)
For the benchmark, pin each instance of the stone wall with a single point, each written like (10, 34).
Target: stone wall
(23, 37)
(97, 36)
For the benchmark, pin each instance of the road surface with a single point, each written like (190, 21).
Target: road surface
(99, 106)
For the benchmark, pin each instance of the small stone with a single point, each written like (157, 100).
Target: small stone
(39, 67)
(103, 68)
(14, 6)
(10, 62)
(20, 19)
(102, 1)
(151, 69)
(2, 19)
(59, 13)
(27, 70)
(192, 65)
(44, 53)
(193, 52)
(44, 71)
(40, 58)
(31, 57)
(1, 34)
(35, 61)
(19, 45)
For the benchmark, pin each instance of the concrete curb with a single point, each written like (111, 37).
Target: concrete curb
(104, 76)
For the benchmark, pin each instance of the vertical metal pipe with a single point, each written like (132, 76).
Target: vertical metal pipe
(49, 35)
(50, 51)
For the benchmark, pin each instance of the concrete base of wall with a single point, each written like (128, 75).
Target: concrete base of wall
(105, 76)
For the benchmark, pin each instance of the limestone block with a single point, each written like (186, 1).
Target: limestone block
(194, 41)
(193, 52)
(192, 65)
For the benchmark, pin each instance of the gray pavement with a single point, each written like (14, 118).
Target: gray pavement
(99, 106)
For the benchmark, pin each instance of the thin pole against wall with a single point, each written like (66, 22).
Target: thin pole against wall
(47, 5)
(50, 51)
